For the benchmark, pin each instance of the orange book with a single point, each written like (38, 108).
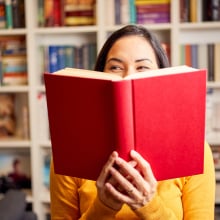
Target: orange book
(188, 55)
(160, 114)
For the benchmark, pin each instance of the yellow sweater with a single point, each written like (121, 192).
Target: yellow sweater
(189, 198)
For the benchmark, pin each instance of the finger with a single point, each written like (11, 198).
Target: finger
(104, 175)
(127, 193)
(127, 168)
(131, 174)
(143, 165)
(114, 182)
(124, 198)
(123, 184)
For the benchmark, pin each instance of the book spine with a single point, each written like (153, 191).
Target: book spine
(217, 64)
(117, 12)
(61, 56)
(2, 14)
(184, 10)
(48, 13)
(124, 122)
(18, 15)
(211, 62)
(57, 13)
(132, 10)
(188, 55)
(53, 58)
(193, 11)
(69, 54)
(144, 2)
(202, 56)
(40, 15)
(194, 55)
(8, 7)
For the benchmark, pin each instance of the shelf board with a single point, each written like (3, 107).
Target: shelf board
(214, 85)
(18, 88)
(40, 88)
(199, 25)
(160, 27)
(65, 30)
(45, 144)
(14, 31)
(14, 143)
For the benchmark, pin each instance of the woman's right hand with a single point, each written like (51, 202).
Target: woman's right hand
(103, 192)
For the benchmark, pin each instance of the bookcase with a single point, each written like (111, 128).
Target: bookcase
(35, 141)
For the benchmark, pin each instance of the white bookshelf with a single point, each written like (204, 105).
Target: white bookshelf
(175, 32)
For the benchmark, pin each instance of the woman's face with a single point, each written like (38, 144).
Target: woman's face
(129, 55)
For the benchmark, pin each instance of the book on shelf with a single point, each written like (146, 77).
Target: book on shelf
(152, 11)
(79, 13)
(13, 60)
(2, 14)
(8, 13)
(14, 68)
(160, 114)
(18, 13)
(56, 57)
(216, 62)
(51, 11)
(198, 11)
(12, 14)
(202, 56)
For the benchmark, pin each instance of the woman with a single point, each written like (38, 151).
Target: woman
(131, 191)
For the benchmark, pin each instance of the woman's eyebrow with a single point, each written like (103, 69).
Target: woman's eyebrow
(136, 61)
(144, 59)
(115, 59)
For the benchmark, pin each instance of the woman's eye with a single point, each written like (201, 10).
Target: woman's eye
(143, 68)
(116, 68)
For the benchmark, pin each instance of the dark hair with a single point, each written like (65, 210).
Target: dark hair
(132, 30)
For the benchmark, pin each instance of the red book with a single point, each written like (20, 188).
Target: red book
(160, 114)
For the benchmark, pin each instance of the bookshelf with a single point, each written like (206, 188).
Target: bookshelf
(175, 33)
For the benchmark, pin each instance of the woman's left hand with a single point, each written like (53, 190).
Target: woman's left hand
(137, 185)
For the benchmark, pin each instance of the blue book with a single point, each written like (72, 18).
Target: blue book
(132, 10)
(194, 55)
(61, 57)
(53, 58)
(70, 55)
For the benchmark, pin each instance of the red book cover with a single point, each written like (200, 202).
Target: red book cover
(160, 114)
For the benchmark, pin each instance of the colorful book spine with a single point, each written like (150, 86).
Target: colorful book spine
(216, 62)
(202, 56)
(9, 20)
(152, 11)
(2, 14)
(55, 57)
(18, 13)
(79, 13)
